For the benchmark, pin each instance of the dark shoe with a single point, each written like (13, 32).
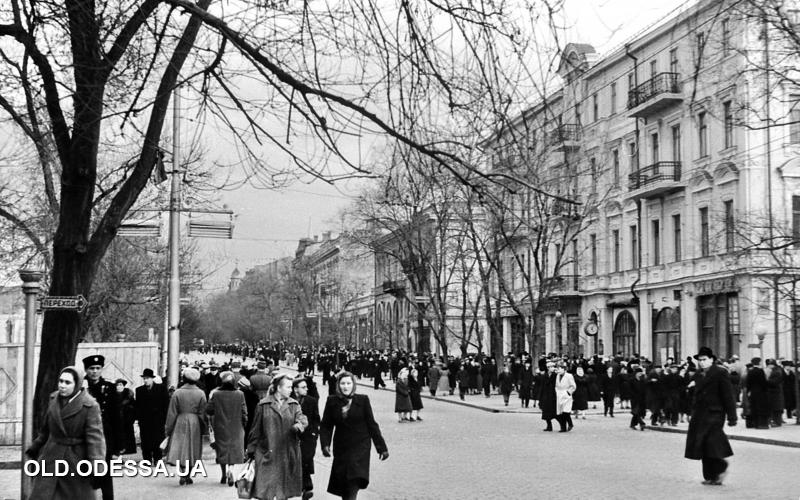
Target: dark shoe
(562, 430)
(223, 480)
(182, 481)
(307, 494)
(549, 429)
(419, 419)
(641, 427)
(189, 480)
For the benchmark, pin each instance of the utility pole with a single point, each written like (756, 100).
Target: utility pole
(173, 335)
(30, 287)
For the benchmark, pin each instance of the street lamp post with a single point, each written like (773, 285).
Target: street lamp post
(174, 304)
(30, 287)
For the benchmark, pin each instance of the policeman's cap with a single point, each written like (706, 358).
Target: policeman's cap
(94, 360)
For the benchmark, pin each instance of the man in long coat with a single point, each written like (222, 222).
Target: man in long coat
(713, 401)
(309, 405)
(756, 387)
(105, 393)
(152, 402)
(547, 397)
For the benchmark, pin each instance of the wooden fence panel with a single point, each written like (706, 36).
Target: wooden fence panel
(123, 360)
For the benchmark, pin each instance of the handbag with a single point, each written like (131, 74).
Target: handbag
(245, 480)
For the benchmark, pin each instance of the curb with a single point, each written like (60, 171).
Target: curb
(733, 437)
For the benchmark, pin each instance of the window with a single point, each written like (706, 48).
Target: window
(794, 120)
(656, 243)
(615, 165)
(673, 61)
(654, 148)
(676, 236)
(796, 220)
(700, 42)
(729, 226)
(595, 111)
(613, 97)
(593, 251)
(593, 171)
(702, 134)
(578, 113)
(653, 69)
(726, 37)
(634, 247)
(728, 119)
(615, 243)
(634, 157)
(676, 143)
(631, 82)
(705, 251)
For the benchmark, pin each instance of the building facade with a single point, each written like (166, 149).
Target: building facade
(686, 160)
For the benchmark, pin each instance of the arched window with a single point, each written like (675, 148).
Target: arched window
(625, 334)
(667, 336)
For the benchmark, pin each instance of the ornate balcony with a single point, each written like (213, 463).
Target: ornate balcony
(394, 287)
(654, 95)
(657, 179)
(565, 137)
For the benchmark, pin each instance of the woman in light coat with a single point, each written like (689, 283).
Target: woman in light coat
(186, 424)
(72, 431)
(228, 413)
(565, 387)
(274, 443)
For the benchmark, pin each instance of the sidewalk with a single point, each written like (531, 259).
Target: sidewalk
(787, 435)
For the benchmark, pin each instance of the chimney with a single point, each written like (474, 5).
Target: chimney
(326, 236)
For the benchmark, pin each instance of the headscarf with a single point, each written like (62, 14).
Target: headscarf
(339, 392)
(77, 374)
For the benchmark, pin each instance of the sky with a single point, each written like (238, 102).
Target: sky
(268, 224)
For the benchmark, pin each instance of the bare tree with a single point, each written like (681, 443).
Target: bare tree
(328, 71)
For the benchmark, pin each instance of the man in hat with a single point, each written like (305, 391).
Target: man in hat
(105, 393)
(713, 401)
(260, 380)
(152, 402)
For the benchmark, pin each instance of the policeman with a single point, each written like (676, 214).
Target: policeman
(105, 393)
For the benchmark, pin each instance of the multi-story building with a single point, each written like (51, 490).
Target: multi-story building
(340, 273)
(684, 147)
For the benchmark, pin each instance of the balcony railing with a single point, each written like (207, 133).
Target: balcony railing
(662, 85)
(662, 171)
(564, 135)
(562, 283)
(394, 286)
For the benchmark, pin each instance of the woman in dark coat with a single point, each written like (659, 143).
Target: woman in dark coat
(274, 444)
(506, 381)
(580, 399)
(713, 401)
(349, 422)
(594, 388)
(756, 389)
(127, 416)
(774, 375)
(547, 397)
(402, 398)
(72, 431)
(414, 393)
(228, 413)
